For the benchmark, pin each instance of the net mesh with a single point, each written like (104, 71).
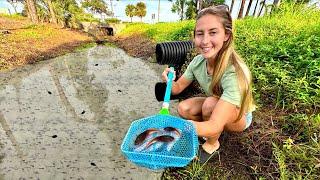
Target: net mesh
(182, 152)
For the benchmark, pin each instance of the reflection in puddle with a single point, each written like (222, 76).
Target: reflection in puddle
(66, 117)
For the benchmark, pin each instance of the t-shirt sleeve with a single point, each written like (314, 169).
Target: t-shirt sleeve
(230, 86)
(188, 73)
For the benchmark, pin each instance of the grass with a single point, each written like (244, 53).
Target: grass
(28, 42)
(161, 32)
(283, 53)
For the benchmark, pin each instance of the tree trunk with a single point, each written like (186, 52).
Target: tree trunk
(182, 7)
(255, 8)
(231, 7)
(52, 13)
(249, 6)
(263, 3)
(240, 15)
(276, 4)
(32, 11)
(199, 5)
(14, 5)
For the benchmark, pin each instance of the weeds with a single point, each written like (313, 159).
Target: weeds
(283, 53)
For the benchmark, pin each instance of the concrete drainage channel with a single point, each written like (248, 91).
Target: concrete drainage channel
(65, 118)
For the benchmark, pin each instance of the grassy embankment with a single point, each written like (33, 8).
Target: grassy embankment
(283, 53)
(28, 42)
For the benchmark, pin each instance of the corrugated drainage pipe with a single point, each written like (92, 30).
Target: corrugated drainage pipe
(173, 53)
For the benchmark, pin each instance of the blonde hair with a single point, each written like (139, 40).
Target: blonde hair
(226, 56)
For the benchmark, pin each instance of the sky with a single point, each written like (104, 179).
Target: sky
(152, 8)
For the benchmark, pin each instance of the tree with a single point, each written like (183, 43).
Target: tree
(32, 11)
(68, 12)
(178, 7)
(240, 15)
(231, 7)
(249, 7)
(141, 10)
(52, 12)
(263, 4)
(207, 3)
(130, 10)
(255, 8)
(14, 4)
(193, 6)
(275, 5)
(96, 6)
(191, 12)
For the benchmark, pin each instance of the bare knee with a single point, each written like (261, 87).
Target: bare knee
(184, 109)
(208, 107)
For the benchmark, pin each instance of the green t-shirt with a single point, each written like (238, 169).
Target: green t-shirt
(197, 70)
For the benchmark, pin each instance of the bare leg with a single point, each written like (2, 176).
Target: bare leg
(191, 108)
(212, 143)
(200, 109)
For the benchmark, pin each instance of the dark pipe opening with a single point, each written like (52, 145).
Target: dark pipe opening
(173, 54)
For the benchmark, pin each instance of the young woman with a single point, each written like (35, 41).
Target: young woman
(222, 75)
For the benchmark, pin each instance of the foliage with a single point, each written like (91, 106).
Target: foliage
(297, 159)
(141, 10)
(283, 53)
(285, 60)
(112, 20)
(96, 6)
(191, 10)
(161, 32)
(85, 17)
(14, 4)
(179, 7)
(130, 10)
(14, 16)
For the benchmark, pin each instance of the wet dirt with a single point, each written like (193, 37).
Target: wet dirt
(65, 118)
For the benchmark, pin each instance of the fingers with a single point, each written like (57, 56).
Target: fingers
(164, 75)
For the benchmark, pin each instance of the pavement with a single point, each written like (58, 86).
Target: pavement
(65, 118)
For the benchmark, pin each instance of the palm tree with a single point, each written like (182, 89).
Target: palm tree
(263, 3)
(141, 10)
(240, 15)
(275, 5)
(52, 12)
(255, 8)
(249, 6)
(178, 7)
(130, 10)
(32, 11)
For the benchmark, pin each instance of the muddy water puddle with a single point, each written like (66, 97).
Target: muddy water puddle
(65, 118)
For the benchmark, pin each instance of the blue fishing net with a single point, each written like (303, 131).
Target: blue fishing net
(180, 154)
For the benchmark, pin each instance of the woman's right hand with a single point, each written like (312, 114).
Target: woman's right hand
(164, 75)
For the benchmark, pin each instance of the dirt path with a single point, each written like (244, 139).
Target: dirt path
(22, 42)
